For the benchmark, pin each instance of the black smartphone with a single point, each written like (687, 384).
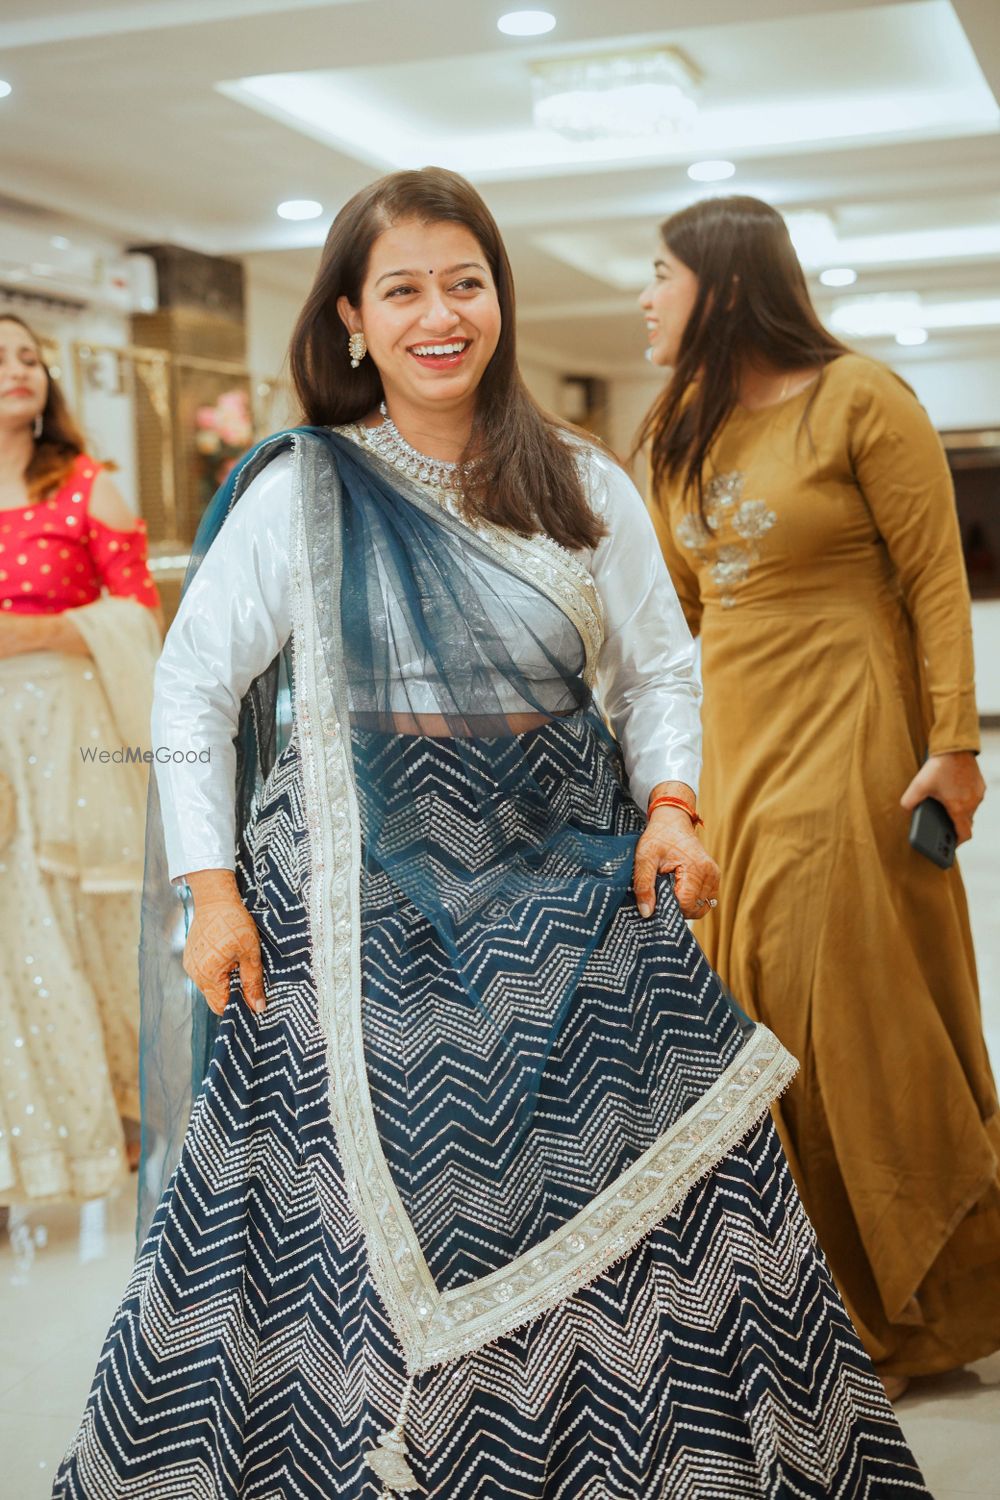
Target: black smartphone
(932, 833)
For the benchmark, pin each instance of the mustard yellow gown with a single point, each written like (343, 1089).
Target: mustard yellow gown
(830, 596)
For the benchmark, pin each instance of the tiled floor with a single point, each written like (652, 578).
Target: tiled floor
(62, 1272)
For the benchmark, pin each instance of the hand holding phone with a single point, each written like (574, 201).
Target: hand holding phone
(953, 779)
(932, 833)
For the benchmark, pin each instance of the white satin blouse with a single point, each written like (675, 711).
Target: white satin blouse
(235, 618)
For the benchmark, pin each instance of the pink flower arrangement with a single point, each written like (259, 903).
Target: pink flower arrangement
(227, 424)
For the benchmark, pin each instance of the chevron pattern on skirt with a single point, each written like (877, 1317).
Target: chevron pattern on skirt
(251, 1356)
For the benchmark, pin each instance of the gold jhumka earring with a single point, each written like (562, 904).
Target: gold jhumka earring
(357, 349)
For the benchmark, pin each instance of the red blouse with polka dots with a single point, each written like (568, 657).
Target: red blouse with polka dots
(55, 555)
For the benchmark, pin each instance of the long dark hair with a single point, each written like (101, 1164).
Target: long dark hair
(752, 304)
(525, 476)
(61, 442)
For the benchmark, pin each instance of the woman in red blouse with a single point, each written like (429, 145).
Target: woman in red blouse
(78, 641)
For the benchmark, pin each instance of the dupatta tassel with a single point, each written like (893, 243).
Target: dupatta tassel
(388, 1458)
(389, 1461)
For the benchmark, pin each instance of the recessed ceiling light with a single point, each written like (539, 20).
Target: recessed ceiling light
(526, 23)
(911, 336)
(300, 208)
(5, 88)
(711, 171)
(59, 242)
(838, 276)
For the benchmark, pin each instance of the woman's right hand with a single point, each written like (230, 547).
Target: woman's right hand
(223, 937)
(955, 780)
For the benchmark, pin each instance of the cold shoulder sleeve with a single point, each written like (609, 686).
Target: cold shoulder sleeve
(647, 682)
(901, 469)
(233, 621)
(121, 562)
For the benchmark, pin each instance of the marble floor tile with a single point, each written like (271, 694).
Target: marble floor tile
(31, 1447)
(953, 1425)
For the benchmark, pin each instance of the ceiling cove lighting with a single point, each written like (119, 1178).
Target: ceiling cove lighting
(881, 315)
(908, 318)
(838, 276)
(299, 208)
(616, 95)
(526, 23)
(711, 171)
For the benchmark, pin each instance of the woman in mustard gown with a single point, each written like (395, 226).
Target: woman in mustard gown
(807, 516)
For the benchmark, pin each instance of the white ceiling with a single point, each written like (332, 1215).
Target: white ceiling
(189, 120)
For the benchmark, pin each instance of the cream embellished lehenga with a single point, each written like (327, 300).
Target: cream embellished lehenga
(71, 857)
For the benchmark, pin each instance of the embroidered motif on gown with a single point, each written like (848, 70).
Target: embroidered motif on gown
(493, 1133)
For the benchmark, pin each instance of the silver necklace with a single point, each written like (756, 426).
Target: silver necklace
(390, 444)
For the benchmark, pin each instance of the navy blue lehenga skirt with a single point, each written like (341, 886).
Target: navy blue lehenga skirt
(251, 1357)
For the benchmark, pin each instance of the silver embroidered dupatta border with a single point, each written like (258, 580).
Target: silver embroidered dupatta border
(435, 1327)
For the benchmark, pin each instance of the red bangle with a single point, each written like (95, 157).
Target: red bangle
(696, 822)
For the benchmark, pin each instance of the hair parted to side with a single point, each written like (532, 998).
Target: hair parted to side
(525, 475)
(60, 442)
(752, 304)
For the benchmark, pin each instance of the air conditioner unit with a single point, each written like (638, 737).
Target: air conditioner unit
(78, 275)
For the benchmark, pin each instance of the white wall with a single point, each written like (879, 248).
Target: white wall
(964, 393)
(986, 640)
(542, 382)
(629, 399)
(956, 392)
(272, 310)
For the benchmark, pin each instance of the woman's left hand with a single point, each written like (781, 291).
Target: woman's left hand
(955, 781)
(670, 844)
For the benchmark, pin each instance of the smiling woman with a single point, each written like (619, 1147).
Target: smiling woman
(430, 332)
(480, 1195)
(416, 263)
(808, 520)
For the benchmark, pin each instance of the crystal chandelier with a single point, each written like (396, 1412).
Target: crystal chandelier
(630, 95)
